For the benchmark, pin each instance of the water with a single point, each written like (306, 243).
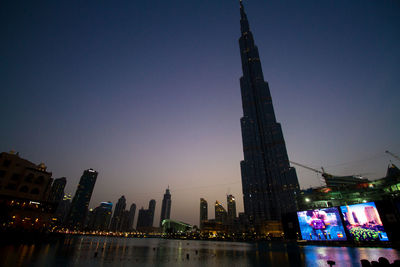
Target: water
(80, 251)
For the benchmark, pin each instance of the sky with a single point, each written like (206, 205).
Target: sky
(147, 92)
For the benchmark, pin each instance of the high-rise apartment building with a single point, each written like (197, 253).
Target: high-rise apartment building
(231, 208)
(166, 206)
(118, 212)
(80, 202)
(57, 190)
(146, 217)
(220, 213)
(131, 218)
(269, 183)
(203, 212)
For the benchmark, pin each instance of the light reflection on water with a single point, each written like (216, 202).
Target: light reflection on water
(80, 251)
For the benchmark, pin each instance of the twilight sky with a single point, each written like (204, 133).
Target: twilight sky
(147, 92)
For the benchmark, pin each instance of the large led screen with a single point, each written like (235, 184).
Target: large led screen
(363, 222)
(321, 224)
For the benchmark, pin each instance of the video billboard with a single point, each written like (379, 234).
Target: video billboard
(363, 222)
(321, 224)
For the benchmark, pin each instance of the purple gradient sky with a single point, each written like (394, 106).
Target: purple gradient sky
(147, 92)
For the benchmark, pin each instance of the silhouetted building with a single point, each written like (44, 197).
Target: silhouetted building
(231, 209)
(57, 190)
(166, 207)
(146, 217)
(123, 227)
(81, 200)
(203, 212)
(220, 213)
(118, 212)
(268, 182)
(100, 217)
(131, 218)
(63, 209)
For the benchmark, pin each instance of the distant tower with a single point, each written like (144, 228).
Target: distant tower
(118, 213)
(203, 212)
(269, 183)
(152, 209)
(131, 218)
(166, 206)
(220, 213)
(57, 190)
(146, 217)
(80, 202)
(231, 208)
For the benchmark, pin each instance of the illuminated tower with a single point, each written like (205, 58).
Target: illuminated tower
(269, 183)
(80, 202)
(220, 213)
(166, 206)
(231, 208)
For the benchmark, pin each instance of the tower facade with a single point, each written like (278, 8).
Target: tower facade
(80, 202)
(203, 212)
(269, 183)
(118, 213)
(132, 211)
(220, 213)
(57, 190)
(166, 206)
(231, 208)
(146, 217)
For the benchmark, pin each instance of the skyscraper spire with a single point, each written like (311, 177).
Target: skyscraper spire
(268, 182)
(244, 24)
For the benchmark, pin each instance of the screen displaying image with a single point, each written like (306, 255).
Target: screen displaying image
(363, 222)
(321, 224)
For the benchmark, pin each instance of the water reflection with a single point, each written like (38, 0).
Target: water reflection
(111, 251)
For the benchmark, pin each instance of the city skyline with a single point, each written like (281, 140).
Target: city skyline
(108, 91)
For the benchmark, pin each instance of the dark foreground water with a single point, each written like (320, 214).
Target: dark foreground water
(80, 251)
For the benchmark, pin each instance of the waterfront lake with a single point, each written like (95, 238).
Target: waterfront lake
(112, 251)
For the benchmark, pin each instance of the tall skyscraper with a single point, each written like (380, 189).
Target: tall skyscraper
(80, 202)
(231, 208)
(132, 211)
(57, 190)
(146, 217)
(152, 209)
(203, 212)
(269, 183)
(220, 213)
(118, 212)
(166, 206)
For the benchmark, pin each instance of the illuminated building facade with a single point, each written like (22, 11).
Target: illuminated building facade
(269, 183)
(81, 200)
(231, 208)
(220, 213)
(24, 190)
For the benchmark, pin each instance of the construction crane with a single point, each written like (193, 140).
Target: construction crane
(393, 155)
(334, 180)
